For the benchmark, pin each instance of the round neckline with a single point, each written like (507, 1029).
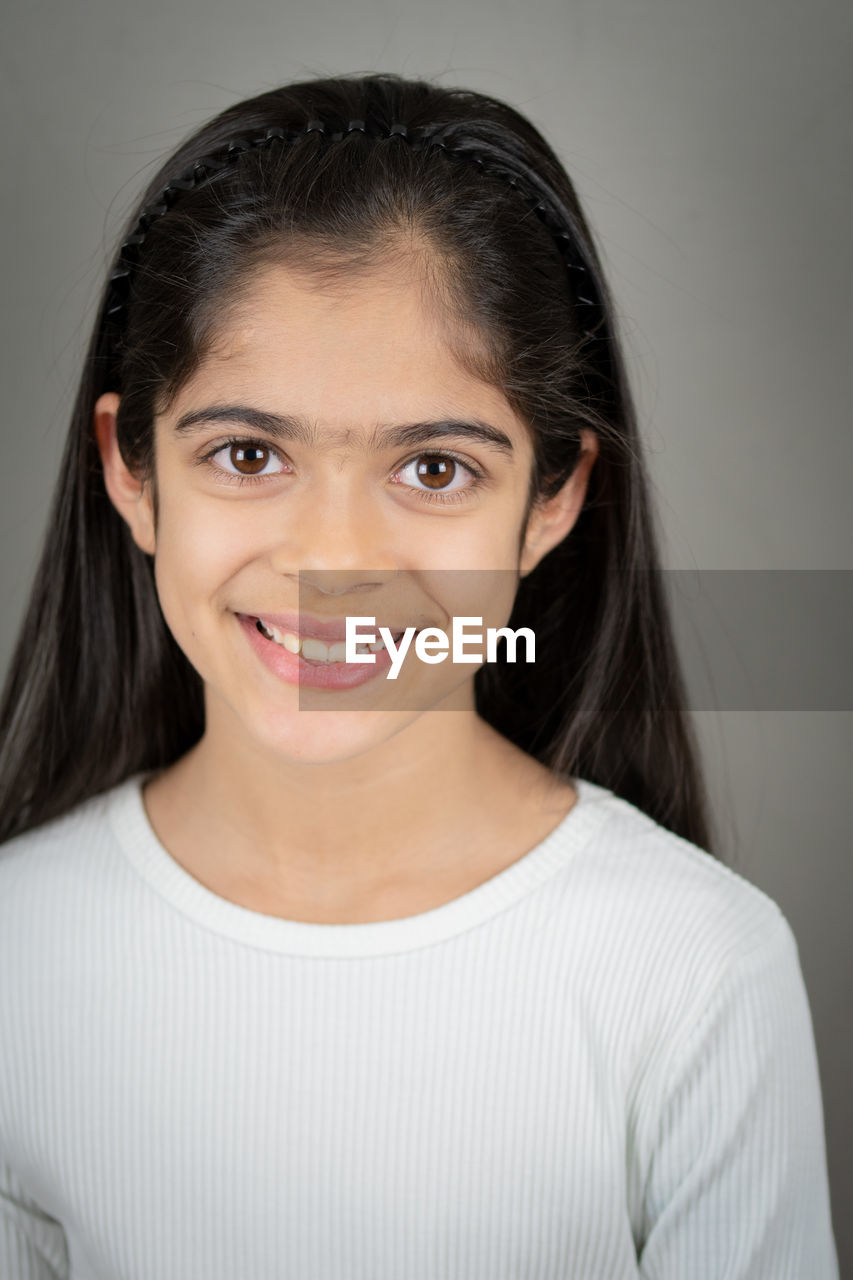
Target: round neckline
(142, 847)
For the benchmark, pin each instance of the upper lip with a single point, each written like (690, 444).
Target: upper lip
(305, 624)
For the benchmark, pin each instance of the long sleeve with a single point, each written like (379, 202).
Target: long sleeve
(737, 1187)
(32, 1245)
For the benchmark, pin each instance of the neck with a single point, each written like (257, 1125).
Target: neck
(413, 807)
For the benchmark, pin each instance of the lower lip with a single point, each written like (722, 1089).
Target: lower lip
(294, 669)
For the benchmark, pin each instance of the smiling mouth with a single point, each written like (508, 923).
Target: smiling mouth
(318, 651)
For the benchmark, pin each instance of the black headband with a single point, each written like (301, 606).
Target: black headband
(585, 291)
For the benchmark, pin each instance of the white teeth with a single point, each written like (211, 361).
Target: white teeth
(317, 650)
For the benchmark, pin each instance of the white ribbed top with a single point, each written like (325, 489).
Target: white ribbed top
(599, 1063)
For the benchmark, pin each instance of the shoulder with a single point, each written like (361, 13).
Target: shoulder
(68, 832)
(665, 911)
(53, 874)
(659, 937)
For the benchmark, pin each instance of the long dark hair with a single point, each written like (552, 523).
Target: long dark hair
(98, 689)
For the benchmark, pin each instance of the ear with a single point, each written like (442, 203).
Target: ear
(130, 497)
(549, 522)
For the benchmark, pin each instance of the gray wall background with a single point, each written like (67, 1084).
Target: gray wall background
(710, 144)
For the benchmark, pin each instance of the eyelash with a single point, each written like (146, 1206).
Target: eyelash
(457, 495)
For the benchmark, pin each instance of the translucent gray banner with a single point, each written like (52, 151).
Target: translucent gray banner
(761, 640)
(764, 639)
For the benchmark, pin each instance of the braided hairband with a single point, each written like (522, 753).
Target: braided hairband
(418, 139)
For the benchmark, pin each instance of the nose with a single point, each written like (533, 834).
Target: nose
(335, 541)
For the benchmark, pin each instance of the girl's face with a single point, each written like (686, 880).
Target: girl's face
(292, 478)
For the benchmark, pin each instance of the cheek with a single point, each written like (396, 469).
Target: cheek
(200, 550)
(484, 592)
(488, 540)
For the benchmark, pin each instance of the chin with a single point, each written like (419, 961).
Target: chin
(327, 737)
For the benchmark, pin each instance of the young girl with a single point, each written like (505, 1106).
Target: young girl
(308, 972)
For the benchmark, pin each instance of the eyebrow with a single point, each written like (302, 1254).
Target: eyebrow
(291, 427)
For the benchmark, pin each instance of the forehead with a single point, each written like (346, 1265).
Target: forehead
(369, 346)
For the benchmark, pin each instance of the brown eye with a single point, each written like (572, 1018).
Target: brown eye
(249, 459)
(244, 460)
(440, 477)
(438, 472)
